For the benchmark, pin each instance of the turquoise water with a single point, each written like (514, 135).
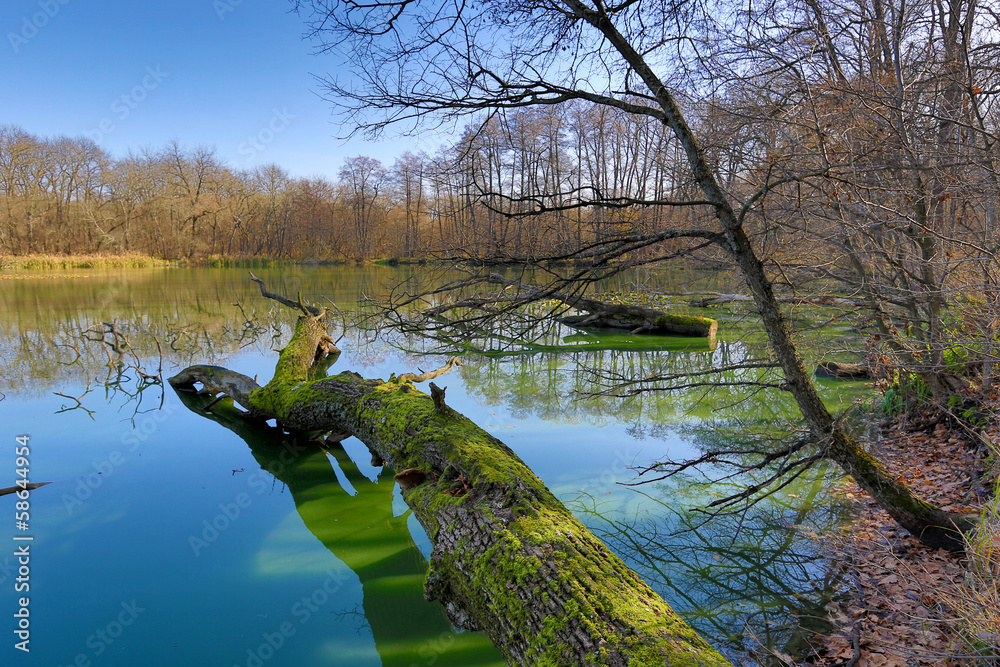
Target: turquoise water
(168, 538)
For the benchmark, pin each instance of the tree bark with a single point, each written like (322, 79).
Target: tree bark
(508, 559)
(931, 525)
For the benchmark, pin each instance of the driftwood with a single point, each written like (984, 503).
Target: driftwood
(820, 300)
(508, 558)
(835, 369)
(28, 487)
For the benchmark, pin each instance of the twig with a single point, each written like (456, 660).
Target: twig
(79, 404)
(27, 487)
(75, 349)
(430, 375)
(214, 401)
(298, 305)
(343, 319)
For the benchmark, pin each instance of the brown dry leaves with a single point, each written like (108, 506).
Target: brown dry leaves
(897, 608)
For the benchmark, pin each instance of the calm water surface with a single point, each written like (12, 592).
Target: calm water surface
(167, 538)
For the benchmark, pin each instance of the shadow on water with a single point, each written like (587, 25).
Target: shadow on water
(757, 583)
(363, 532)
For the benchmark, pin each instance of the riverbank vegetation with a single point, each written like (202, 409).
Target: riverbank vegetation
(811, 148)
(898, 602)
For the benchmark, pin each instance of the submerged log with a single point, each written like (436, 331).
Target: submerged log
(508, 558)
(835, 369)
(639, 320)
(599, 314)
(818, 300)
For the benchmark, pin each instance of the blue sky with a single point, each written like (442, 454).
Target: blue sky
(233, 74)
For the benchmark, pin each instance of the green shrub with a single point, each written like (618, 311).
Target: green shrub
(907, 390)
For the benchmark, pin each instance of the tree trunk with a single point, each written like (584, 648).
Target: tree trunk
(508, 559)
(932, 526)
(636, 319)
(836, 369)
(639, 320)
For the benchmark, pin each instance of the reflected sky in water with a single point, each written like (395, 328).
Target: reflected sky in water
(216, 551)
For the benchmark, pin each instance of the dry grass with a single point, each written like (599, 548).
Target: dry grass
(977, 602)
(220, 262)
(50, 262)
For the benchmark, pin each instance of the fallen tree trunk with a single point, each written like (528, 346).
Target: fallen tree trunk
(508, 559)
(836, 369)
(599, 314)
(819, 300)
(639, 320)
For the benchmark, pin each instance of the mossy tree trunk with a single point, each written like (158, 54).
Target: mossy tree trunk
(931, 525)
(638, 319)
(508, 559)
(598, 314)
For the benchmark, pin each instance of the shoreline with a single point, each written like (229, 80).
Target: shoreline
(902, 604)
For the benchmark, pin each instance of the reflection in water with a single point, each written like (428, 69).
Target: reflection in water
(361, 531)
(572, 387)
(749, 581)
(754, 579)
(188, 314)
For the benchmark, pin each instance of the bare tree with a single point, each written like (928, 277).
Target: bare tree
(419, 63)
(364, 180)
(409, 173)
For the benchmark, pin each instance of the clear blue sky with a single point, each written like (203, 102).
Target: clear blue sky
(233, 74)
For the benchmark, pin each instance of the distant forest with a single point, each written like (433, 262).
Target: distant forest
(65, 195)
(852, 178)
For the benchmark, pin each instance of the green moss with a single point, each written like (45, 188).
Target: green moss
(540, 546)
(694, 320)
(593, 593)
(707, 324)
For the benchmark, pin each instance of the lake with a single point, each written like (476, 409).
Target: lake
(166, 538)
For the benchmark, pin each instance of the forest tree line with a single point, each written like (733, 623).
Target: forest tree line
(66, 195)
(880, 166)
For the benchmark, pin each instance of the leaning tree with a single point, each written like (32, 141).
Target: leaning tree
(419, 63)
